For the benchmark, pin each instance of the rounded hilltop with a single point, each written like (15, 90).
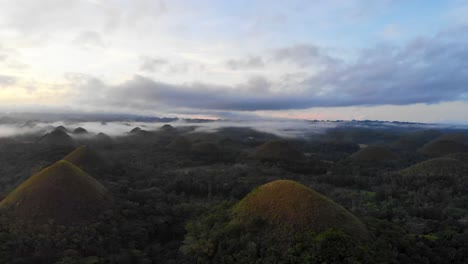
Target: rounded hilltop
(415, 140)
(62, 193)
(458, 137)
(80, 131)
(437, 167)
(374, 153)
(167, 128)
(57, 137)
(439, 148)
(290, 206)
(62, 128)
(278, 150)
(461, 156)
(86, 159)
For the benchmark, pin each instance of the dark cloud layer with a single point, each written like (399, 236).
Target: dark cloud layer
(427, 70)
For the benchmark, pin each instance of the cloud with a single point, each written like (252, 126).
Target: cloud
(426, 70)
(89, 39)
(150, 64)
(6, 80)
(252, 62)
(303, 55)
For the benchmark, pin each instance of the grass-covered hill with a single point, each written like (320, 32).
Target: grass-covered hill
(439, 148)
(57, 137)
(62, 193)
(277, 150)
(290, 206)
(437, 167)
(80, 131)
(86, 159)
(414, 140)
(168, 128)
(461, 156)
(374, 153)
(458, 137)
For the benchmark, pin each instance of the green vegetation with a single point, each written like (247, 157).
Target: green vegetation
(439, 148)
(61, 193)
(57, 137)
(278, 151)
(374, 153)
(294, 207)
(219, 205)
(87, 159)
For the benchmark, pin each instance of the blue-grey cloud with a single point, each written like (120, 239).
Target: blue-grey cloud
(150, 64)
(251, 62)
(427, 70)
(304, 55)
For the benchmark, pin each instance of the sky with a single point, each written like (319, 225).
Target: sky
(392, 60)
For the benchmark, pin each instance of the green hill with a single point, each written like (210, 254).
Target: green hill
(374, 153)
(86, 159)
(62, 193)
(459, 137)
(278, 151)
(62, 128)
(437, 167)
(414, 140)
(168, 128)
(439, 148)
(103, 138)
(461, 156)
(80, 130)
(290, 206)
(57, 137)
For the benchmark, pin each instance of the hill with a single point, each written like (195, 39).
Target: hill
(57, 137)
(168, 128)
(103, 138)
(439, 148)
(437, 167)
(80, 130)
(62, 193)
(62, 128)
(278, 151)
(459, 137)
(414, 140)
(290, 206)
(135, 130)
(374, 153)
(461, 156)
(86, 159)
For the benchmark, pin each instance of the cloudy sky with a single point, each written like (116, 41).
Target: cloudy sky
(323, 59)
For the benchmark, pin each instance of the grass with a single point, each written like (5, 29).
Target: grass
(288, 204)
(86, 159)
(439, 148)
(61, 192)
(437, 166)
(57, 137)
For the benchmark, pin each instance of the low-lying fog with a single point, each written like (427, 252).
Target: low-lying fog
(284, 128)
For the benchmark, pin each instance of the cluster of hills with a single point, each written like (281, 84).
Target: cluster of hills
(234, 195)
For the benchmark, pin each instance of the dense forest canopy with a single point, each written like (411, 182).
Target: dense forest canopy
(178, 194)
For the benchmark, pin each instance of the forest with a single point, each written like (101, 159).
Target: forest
(349, 194)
